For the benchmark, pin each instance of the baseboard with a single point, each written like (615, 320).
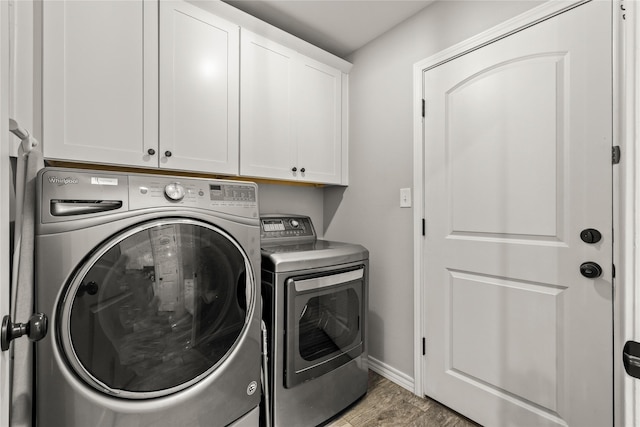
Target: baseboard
(392, 374)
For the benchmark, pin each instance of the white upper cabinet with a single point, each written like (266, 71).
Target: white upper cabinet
(291, 114)
(319, 122)
(268, 144)
(168, 84)
(100, 87)
(109, 98)
(199, 90)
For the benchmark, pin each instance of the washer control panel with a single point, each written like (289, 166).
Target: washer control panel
(192, 192)
(286, 227)
(236, 193)
(66, 194)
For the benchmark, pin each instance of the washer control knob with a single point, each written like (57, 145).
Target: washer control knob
(174, 191)
(294, 223)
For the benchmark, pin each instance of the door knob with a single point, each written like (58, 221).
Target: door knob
(590, 270)
(590, 235)
(35, 329)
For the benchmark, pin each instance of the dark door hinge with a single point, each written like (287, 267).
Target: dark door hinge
(613, 271)
(424, 227)
(424, 346)
(615, 154)
(424, 108)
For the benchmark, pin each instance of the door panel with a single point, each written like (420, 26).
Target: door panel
(518, 162)
(518, 200)
(199, 90)
(268, 142)
(99, 81)
(519, 319)
(319, 125)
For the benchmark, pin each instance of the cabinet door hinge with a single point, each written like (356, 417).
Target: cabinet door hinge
(424, 346)
(424, 108)
(615, 154)
(424, 227)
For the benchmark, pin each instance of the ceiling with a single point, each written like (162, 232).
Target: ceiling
(339, 27)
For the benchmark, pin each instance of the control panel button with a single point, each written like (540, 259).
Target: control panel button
(174, 191)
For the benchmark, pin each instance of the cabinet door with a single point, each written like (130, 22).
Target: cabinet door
(267, 140)
(199, 93)
(100, 81)
(319, 121)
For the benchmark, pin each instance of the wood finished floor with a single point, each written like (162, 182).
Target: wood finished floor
(386, 404)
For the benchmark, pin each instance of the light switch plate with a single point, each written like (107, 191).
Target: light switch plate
(405, 197)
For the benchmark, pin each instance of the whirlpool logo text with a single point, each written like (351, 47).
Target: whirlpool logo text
(63, 181)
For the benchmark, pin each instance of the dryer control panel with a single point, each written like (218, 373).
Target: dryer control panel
(280, 227)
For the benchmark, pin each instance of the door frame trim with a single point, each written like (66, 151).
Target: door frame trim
(626, 206)
(6, 147)
(626, 191)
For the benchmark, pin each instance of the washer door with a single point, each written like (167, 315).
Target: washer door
(156, 309)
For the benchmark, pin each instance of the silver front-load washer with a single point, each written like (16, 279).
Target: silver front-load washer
(151, 286)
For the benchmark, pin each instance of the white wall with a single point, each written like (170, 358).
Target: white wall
(292, 199)
(380, 162)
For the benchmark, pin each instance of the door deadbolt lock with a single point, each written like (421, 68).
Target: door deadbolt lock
(590, 270)
(35, 329)
(590, 235)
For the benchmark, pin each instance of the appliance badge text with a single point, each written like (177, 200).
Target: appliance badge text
(63, 181)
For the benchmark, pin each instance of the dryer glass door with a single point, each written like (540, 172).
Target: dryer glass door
(323, 323)
(157, 308)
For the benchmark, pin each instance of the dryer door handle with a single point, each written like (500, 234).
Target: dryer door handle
(35, 329)
(326, 281)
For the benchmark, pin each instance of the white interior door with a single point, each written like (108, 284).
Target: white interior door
(518, 138)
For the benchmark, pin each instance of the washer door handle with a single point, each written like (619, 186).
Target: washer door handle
(35, 329)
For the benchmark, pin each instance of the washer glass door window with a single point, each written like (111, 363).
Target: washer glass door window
(156, 308)
(323, 321)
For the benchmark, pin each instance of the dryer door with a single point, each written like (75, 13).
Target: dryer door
(156, 309)
(323, 321)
